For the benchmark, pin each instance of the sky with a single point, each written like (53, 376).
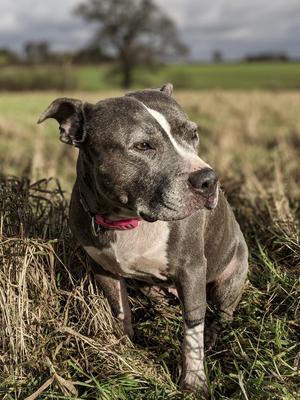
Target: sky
(236, 27)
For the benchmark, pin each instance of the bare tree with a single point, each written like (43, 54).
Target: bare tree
(133, 31)
(217, 56)
(37, 52)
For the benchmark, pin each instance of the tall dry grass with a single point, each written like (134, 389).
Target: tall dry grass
(52, 314)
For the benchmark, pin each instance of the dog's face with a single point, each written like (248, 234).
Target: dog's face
(140, 152)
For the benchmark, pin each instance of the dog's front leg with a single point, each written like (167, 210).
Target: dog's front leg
(115, 290)
(191, 287)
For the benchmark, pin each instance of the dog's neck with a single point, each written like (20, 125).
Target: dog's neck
(99, 215)
(99, 209)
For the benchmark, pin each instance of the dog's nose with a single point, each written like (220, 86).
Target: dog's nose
(205, 180)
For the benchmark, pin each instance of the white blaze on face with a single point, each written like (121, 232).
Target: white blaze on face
(194, 161)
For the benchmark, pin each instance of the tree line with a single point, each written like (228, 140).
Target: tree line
(128, 33)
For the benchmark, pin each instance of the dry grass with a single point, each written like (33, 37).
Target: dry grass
(57, 334)
(53, 317)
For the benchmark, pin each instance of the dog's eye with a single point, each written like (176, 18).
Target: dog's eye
(143, 146)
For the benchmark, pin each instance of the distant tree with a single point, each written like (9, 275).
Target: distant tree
(267, 57)
(8, 56)
(90, 55)
(133, 31)
(217, 56)
(37, 52)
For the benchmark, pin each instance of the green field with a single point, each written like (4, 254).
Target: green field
(55, 325)
(243, 76)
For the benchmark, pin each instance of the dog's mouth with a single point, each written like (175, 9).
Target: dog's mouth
(148, 218)
(167, 211)
(211, 201)
(198, 202)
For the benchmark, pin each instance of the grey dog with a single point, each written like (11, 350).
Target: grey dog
(146, 206)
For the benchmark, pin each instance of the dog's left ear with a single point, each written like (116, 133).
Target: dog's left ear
(167, 89)
(71, 115)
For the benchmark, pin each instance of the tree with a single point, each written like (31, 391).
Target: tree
(217, 56)
(8, 56)
(133, 31)
(37, 52)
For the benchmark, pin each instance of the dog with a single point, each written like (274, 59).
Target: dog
(146, 206)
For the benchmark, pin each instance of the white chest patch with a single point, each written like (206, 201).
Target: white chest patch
(139, 253)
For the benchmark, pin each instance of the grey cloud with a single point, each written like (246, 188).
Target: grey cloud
(239, 27)
(37, 20)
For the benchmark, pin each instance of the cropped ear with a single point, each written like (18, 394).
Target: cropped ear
(167, 89)
(70, 114)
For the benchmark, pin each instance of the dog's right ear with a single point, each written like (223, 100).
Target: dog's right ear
(167, 88)
(70, 114)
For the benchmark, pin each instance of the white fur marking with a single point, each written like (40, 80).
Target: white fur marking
(185, 153)
(139, 253)
(161, 119)
(121, 315)
(193, 349)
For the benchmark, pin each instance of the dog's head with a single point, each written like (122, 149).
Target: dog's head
(140, 152)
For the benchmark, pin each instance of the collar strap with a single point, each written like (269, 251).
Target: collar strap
(121, 224)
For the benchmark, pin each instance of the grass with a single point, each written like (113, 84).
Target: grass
(225, 76)
(235, 76)
(56, 329)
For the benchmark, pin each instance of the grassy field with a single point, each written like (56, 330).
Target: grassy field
(57, 334)
(243, 76)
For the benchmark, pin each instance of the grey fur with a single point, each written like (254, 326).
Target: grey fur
(196, 242)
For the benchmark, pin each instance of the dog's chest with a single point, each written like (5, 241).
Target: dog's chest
(139, 253)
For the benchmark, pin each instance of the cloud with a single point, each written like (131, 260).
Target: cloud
(236, 26)
(42, 20)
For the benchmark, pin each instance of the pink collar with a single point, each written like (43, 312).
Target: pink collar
(120, 225)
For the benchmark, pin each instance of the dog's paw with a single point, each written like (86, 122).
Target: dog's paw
(195, 383)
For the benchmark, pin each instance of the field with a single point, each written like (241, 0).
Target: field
(235, 76)
(57, 334)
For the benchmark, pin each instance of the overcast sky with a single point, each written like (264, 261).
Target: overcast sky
(236, 27)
